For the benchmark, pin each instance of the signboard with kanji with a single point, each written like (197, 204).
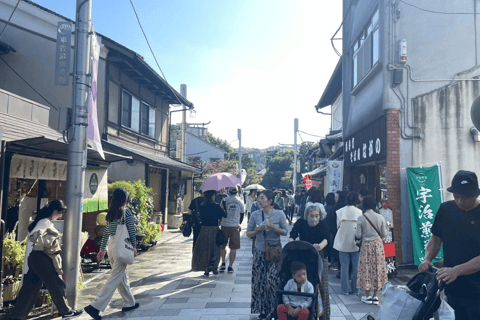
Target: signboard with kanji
(63, 53)
(425, 198)
(334, 176)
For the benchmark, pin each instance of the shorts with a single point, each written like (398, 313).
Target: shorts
(233, 237)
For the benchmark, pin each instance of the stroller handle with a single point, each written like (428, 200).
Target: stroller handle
(442, 284)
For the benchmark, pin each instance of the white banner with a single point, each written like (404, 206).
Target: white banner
(334, 176)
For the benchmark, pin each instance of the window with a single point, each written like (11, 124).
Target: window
(365, 50)
(137, 115)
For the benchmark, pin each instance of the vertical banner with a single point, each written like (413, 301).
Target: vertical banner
(93, 135)
(425, 197)
(307, 181)
(334, 176)
(63, 53)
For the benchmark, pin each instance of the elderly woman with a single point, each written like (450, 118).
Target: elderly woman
(372, 272)
(315, 231)
(267, 225)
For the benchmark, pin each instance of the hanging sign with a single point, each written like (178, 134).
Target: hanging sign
(63, 53)
(425, 198)
(334, 176)
(307, 181)
(368, 144)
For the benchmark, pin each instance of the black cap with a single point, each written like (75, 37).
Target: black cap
(465, 183)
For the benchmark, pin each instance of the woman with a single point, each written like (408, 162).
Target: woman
(315, 231)
(332, 225)
(265, 273)
(316, 196)
(345, 243)
(372, 273)
(43, 267)
(117, 213)
(206, 254)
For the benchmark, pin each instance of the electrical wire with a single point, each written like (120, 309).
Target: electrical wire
(310, 134)
(9, 19)
(28, 84)
(341, 24)
(436, 12)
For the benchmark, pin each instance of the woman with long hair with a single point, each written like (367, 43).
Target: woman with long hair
(118, 213)
(206, 254)
(43, 267)
(267, 225)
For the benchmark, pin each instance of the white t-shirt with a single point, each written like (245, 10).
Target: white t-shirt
(388, 215)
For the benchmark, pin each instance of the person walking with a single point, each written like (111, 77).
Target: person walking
(231, 226)
(265, 274)
(316, 197)
(457, 226)
(194, 212)
(345, 243)
(332, 226)
(251, 198)
(44, 264)
(118, 213)
(206, 254)
(372, 271)
(220, 195)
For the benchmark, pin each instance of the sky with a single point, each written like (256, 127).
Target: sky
(253, 65)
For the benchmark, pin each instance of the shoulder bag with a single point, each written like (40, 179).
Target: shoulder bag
(273, 250)
(375, 228)
(123, 246)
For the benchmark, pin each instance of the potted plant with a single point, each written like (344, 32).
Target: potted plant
(14, 255)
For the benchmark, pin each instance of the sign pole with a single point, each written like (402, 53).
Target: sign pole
(77, 151)
(295, 129)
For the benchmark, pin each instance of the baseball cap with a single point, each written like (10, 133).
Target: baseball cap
(465, 183)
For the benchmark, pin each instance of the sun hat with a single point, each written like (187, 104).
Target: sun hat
(465, 183)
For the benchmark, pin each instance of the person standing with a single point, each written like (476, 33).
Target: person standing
(387, 213)
(194, 212)
(118, 213)
(252, 196)
(362, 193)
(44, 267)
(457, 227)
(316, 197)
(231, 226)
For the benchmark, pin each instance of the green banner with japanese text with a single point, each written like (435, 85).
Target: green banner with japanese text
(425, 197)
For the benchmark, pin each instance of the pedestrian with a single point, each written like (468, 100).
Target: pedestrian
(313, 230)
(316, 196)
(291, 206)
(280, 200)
(345, 244)
(305, 200)
(118, 213)
(362, 193)
(220, 195)
(44, 264)
(332, 226)
(252, 196)
(387, 213)
(457, 227)
(265, 274)
(372, 271)
(194, 212)
(206, 254)
(231, 226)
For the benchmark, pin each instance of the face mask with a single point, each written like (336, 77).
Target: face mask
(312, 222)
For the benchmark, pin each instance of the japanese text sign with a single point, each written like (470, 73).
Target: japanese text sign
(334, 176)
(425, 198)
(63, 53)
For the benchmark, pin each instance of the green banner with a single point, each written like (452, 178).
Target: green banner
(425, 198)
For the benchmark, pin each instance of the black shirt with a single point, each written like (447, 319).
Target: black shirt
(210, 213)
(309, 234)
(195, 207)
(460, 233)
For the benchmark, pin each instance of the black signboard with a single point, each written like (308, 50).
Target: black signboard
(368, 144)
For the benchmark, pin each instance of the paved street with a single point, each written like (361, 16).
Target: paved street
(166, 289)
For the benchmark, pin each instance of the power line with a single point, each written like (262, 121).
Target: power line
(436, 12)
(341, 24)
(311, 134)
(9, 19)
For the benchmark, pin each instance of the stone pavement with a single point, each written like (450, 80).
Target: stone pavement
(165, 287)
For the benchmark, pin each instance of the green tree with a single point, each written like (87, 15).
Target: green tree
(276, 169)
(222, 144)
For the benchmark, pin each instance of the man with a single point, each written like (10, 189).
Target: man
(220, 196)
(362, 193)
(457, 226)
(231, 226)
(194, 212)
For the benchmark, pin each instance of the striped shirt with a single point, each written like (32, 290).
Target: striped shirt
(111, 229)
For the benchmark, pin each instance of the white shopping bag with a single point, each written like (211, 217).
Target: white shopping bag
(123, 246)
(445, 312)
(397, 305)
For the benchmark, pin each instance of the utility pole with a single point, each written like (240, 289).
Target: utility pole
(77, 150)
(183, 92)
(240, 151)
(295, 129)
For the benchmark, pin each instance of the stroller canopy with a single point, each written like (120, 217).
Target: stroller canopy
(305, 252)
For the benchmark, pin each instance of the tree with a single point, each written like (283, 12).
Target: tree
(276, 169)
(222, 144)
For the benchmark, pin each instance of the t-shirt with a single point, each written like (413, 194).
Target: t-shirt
(460, 233)
(234, 208)
(210, 214)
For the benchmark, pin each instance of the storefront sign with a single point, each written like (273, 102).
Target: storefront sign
(425, 198)
(368, 144)
(93, 184)
(24, 167)
(63, 53)
(334, 176)
(307, 181)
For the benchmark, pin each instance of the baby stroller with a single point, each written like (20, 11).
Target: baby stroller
(306, 253)
(419, 302)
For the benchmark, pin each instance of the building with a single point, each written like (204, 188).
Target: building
(407, 92)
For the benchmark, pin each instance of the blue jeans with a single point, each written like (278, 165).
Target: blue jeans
(345, 259)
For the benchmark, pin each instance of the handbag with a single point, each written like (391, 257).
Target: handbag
(123, 246)
(187, 229)
(273, 250)
(221, 238)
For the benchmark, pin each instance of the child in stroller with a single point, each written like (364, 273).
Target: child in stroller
(296, 306)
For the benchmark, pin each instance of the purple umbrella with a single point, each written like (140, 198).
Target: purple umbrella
(220, 180)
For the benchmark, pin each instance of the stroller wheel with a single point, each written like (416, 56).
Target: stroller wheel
(369, 317)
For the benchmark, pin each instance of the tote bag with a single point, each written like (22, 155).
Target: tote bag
(397, 305)
(123, 246)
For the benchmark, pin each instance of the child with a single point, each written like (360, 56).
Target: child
(296, 306)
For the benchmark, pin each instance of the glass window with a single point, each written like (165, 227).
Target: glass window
(375, 47)
(144, 114)
(375, 18)
(355, 46)
(126, 108)
(369, 29)
(355, 71)
(151, 123)
(135, 114)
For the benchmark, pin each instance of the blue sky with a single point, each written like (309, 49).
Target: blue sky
(253, 65)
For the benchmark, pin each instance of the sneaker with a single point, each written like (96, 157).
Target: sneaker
(222, 268)
(215, 271)
(230, 270)
(73, 314)
(206, 274)
(375, 301)
(94, 313)
(367, 300)
(125, 309)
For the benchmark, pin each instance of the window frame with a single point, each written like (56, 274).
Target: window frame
(141, 126)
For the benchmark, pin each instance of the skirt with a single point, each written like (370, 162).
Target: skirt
(265, 282)
(372, 271)
(206, 254)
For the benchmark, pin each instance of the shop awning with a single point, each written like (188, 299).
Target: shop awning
(338, 153)
(57, 149)
(143, 154)
(316, 171)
